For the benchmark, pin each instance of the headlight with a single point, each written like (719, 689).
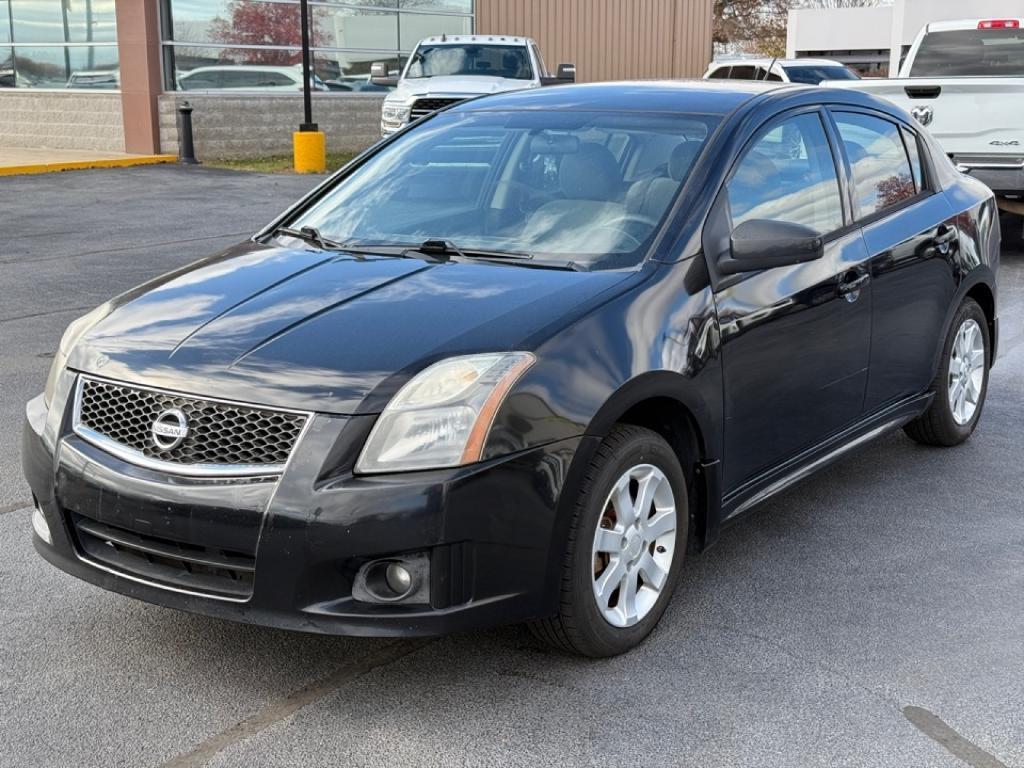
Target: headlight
(395, 113)
(74, 332)
(442, 416)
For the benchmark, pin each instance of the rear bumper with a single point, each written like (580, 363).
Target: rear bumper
(1002, 181)
(488, 532)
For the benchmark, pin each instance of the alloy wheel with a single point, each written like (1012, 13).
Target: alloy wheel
(966, 371)
(634, 545)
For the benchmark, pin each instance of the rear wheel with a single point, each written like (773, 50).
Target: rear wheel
(626, 546)
(961, 383)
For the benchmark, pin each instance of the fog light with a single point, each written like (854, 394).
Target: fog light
(40, 527)
(398, 578)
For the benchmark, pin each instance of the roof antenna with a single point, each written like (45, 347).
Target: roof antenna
(770, 65)
(444, 38)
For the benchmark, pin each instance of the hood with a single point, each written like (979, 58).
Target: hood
(320, 331)
(464, 86)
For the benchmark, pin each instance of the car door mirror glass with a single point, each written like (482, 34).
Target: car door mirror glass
(763, 244)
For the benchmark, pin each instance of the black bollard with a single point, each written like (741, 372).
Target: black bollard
(186, 147)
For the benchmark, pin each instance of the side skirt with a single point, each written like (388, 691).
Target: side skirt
(788, 474)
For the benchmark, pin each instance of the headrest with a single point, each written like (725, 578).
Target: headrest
(590, 174)
(682, 158)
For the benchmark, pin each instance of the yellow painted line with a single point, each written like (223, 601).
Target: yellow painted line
(76, 165)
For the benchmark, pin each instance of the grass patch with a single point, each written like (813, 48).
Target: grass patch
(276, 163)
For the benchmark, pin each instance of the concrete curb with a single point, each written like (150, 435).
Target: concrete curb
(76, 165)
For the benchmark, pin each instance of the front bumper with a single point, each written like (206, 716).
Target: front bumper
(488, 531)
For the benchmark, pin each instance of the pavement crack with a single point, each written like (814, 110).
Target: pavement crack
(932, 726)
(47, 313)
(15, 507)
(890, 702)
(134, 247)
(292, 703)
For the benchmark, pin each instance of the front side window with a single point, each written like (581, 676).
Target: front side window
(742, 72)
(788, 174)
(509, 61)
(556, 185)
(882, 176)
(722, 73)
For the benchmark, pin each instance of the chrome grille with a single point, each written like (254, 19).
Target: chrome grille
(220, 435)
(423, 107)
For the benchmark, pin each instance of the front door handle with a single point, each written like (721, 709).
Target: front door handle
(851, 283)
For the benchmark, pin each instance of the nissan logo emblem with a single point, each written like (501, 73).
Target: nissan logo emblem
(169, 429)
(924, 115)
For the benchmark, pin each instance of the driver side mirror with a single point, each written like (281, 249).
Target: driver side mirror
(379, 75)
(566, 73)
(764, 243)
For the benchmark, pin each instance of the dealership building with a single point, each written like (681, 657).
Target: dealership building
(873, 40)
(109, 75)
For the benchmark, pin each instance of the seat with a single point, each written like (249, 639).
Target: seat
(650, 197)
(591, 185)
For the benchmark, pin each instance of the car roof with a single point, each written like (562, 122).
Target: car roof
(679, 96)
(476, 39)
(782, 62)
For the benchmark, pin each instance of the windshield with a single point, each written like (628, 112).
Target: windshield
(814, 74)
(511, 61)
(590, 187)
(970, 52)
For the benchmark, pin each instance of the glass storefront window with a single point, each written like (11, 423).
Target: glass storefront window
(354, 28)
(347, 36)
(5, 23)
(416, 26)
(57, 66)
(58, 21)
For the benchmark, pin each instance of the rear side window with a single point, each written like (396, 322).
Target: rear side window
(788, 174)
(722, 73)
(882, 176)
(744, 72)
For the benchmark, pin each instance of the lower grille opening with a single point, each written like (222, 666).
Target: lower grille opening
(215, 571)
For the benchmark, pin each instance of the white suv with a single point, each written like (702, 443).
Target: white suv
(448, 69)
(806, 71)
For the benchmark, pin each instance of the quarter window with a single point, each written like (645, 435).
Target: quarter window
(910, 139)
(788, 175)
(882, 176)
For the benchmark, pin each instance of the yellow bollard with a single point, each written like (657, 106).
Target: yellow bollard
(310, 150)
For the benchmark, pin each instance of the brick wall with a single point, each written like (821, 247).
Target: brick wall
(56, 120)
(250, 125)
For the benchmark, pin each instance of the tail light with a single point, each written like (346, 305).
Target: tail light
(999, 24)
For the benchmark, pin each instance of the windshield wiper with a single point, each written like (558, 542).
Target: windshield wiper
(310, 235)
(441, 248)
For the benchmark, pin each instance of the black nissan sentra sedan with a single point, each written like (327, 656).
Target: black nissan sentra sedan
(514, 363)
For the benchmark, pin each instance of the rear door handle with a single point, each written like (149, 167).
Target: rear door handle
(944, 234)
(851, 283)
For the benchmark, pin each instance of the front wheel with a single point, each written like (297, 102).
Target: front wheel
(626, 546)
(961, 383)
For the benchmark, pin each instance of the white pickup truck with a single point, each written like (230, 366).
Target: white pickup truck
(964, 80)
(448, 69)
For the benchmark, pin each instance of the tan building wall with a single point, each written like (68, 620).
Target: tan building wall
(609, 39)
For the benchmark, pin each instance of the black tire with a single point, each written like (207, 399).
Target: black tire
(936, 426)
(579, 627)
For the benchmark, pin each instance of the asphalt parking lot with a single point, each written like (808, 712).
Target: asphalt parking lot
(873, 616)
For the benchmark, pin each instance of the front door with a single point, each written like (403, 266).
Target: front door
(795, 339)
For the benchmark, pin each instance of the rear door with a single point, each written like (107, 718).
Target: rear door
(911, 235)
(795, 339)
